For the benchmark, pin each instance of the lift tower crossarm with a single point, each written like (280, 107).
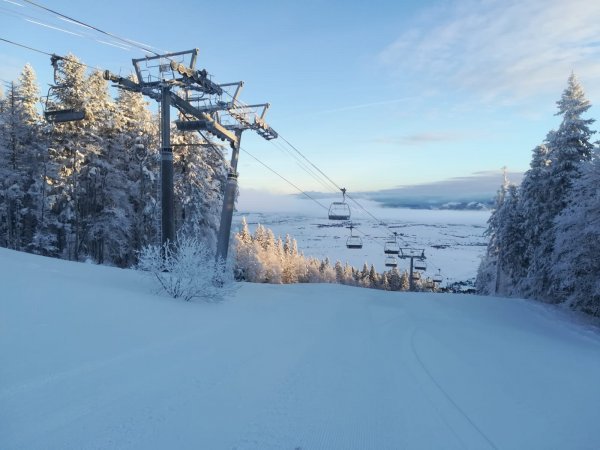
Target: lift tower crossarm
(199, 77)
(212, 126)
(241, 114)
(124, 83)
(194, 54)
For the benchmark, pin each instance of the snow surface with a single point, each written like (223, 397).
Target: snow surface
(91, 359)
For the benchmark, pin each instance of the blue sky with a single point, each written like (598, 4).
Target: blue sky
(378, 94)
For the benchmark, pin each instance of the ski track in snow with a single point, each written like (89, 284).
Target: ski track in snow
(474, 442)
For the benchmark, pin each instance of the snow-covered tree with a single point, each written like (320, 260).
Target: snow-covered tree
(136, 132)
(20, 168)
(490, 262)
(570, 147)
(576, 261)
(66, 156)
(200, 171)
(533, 197)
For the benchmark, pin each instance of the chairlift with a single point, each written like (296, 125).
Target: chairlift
(391, 261)
(420, 265)
(55, 115)
(437, 278)
(340, 210)
(416, 276)
(392, 247)
(353, 242)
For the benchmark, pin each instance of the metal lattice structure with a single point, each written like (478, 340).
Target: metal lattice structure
(414, 254)
(173, 80)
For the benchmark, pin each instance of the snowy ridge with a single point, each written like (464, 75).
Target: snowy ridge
(93, 359)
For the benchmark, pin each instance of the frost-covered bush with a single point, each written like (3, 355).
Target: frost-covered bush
(187, 270)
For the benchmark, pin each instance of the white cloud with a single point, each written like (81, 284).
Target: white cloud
(477, 186)
(501, 50)
(423, 138)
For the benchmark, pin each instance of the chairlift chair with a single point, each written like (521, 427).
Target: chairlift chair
(420, 265)
(391, 248)
(391, 261)
(340, 210)
(416, 276)
(437, 278)
(353, 242)
(56, 115)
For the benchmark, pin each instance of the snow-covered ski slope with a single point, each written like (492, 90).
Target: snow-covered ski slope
(90, 359)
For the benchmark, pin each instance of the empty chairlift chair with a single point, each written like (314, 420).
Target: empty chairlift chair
(391, 261)
(340, 210)
(437, 278)
(392, 247)
(52, 113)
(353, 242)
(420, 265)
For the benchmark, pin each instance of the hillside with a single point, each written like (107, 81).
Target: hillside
(91, 358)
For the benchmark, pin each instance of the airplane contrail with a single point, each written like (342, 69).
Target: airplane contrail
(54, 28)
(364, 105)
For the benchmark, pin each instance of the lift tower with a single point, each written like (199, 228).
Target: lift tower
(412, 254)
(169, 79)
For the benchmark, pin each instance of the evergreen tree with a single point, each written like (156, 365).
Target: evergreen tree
(66, 155)
(20, 169)
(570, 146)
(404, 281)
(394, 279)
(489, 270)
(511, 244)
(534, 193)
(575, 261)
(32, 155)
(200, 174)
(137, 134)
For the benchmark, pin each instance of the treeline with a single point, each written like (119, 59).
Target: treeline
(545, 234)
(88, 190)
(262, 258)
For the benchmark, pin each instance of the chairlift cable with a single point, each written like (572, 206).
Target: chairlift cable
(64, 58)
(284, 179)
(145, 48)
(301, 164)
(25, 46)
(137, 45)
(92, 27)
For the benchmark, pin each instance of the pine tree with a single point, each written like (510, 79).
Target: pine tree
(385, 284)
(104, 212)
(570, 146)
(404, 281)
(137, 134)
(200, 174)
(488, 275)
(20, 169)
(511, 244)
(575, 261)
(66, 156)
(373, 277)
(534, 193)
(394, 278)
(32, 156)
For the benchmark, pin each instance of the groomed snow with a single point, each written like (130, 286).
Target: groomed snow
(91, 359)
